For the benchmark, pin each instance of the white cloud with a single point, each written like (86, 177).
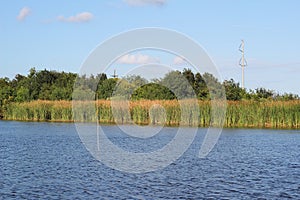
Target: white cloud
(137, 59)
(179, 60)
(24, 12)
(146, 2)
(81, 17)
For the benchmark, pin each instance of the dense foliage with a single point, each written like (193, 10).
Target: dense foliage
(52, 85)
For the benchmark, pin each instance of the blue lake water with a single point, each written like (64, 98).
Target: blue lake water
(49, 161)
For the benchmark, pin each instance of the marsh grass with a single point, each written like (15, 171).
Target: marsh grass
(260, 114)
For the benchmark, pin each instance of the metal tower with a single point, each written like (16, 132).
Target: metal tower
(115, 74)
(243, 62)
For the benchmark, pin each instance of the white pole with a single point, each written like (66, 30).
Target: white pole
(243, 63)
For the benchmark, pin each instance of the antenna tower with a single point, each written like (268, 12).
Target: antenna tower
(115, 74)
(243, 62)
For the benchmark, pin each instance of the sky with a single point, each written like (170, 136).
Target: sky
(59, 35)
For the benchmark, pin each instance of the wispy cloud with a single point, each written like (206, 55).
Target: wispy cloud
(80, 17)
(179, 60)
(24, 12)
(145, 2)
(137, 59)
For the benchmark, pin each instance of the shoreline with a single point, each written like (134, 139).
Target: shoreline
(154, 125)
(239, 114)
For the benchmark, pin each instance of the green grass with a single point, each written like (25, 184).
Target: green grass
(266, 114)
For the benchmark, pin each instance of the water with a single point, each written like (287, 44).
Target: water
(49, 161)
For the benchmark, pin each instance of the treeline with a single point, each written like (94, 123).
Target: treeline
(52, 85)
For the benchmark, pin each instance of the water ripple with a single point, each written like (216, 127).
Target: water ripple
(48, 161)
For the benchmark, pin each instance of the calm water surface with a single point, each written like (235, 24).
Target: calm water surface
(48, 161)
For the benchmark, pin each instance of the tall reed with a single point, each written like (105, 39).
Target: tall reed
(261, 114)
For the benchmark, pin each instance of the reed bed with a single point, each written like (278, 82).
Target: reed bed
(259, 114)
(60, 111)
(266, 114)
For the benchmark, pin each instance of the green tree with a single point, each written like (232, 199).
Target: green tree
(106, 88)
(136, 80)
(22, 94)
(263, 93)
(5, 91)
(178, 84)
(83, 94)
(233, 90)
(153, 91)
(215, 88)
(189, 75)
(200, 87)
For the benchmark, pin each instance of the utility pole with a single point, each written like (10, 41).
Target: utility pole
(115, 74)
(243, 62)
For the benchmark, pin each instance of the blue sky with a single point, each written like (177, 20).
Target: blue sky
(59, 35)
